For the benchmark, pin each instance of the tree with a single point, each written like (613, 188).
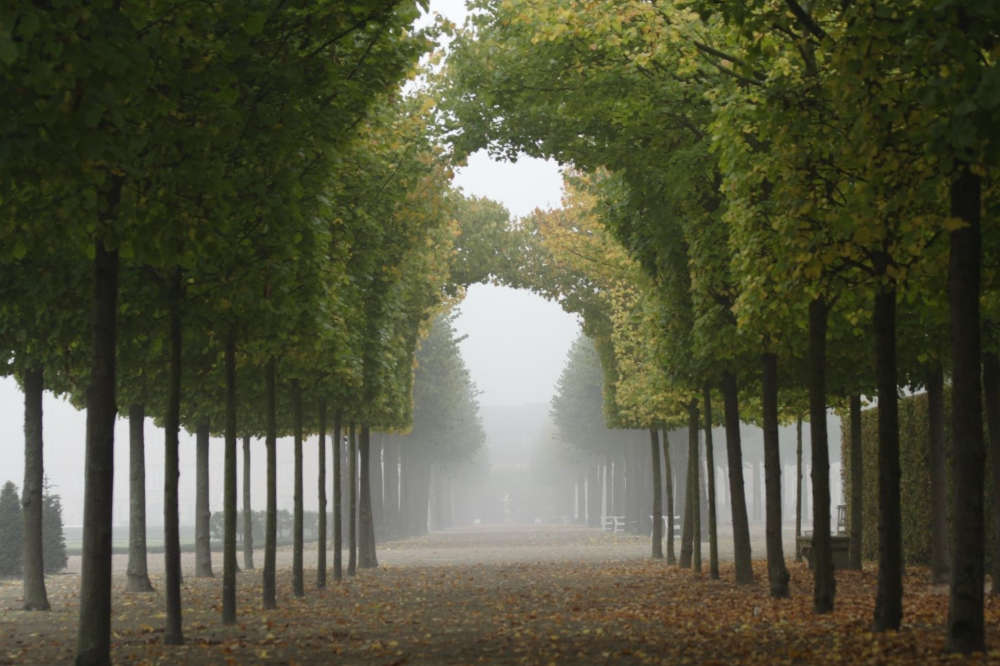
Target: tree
(54, 546)
(11, 531)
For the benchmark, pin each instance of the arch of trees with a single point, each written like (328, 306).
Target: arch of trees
(228, 217)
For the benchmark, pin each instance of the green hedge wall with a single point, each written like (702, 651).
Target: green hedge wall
(915, 487)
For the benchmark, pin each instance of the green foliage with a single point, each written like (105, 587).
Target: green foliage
(915, 495)
(53, 539)
(11, 531)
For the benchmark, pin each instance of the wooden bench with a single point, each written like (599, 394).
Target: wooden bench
(839, 546)
(613, 523)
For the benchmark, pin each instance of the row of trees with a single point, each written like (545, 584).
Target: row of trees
(767, 194)
(12, 532)
(223, 216)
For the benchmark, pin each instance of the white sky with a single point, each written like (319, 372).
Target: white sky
(515, 351)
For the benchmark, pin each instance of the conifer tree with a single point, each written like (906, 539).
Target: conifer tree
(11, 530)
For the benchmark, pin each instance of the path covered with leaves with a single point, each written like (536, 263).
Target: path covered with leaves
(537, 596)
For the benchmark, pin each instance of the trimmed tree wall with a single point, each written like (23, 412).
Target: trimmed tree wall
(915, 493)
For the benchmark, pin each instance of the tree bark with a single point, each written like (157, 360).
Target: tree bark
(366, 543)
(352, 489)
(271, 526)
(713, 531)
(321, 478)
(247, 509)
(798, 486)
(594, 496)
(94, 628)
(857, 485)
(137, 572)
(229, 490)
(694, 481)
(298, 586)
(889, 595)
(991, 398)
(338, 541)
(937, 459)
(377, 502)
(965, 603)
(737, 494)
(687, 526)
(668, 473)
(777, 573)
(824, 585)
(173, 634)
(33, 566)
(654, 447)
(203, 516)
(390, 504)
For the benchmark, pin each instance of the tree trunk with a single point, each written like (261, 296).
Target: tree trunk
(668, 473)
(298, 586)
(889, 597)
(338, 540)
(247, 509)
(798, 487)
(137, 572)
(755, 486)
(965, 604)
(737, 494)
(991, 396)
(594, 496)
(321, 490)
(33, 566)
(202, 514)
(777, 573)
(377, 495)
(352, 489)
(857, 485)
(366, 541)
(713, 531)
(173, 634)
(94, 628)
(694, 480)
(271, 526)
(824, 585)
(390, 504)
(937, 459)
(687, 527)
(654, 447)
(229, 490)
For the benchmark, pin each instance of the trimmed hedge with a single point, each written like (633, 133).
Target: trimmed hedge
(915, 484)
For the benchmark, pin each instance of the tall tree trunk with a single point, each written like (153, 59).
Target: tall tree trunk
(173, 634)
(33, 566)
(991, 396)
(824, 585)
(321, 482)
(229, 490)
(94, 628)
(352, 489)
(937, 459)
(375, 453)
(668, 473)
(247, 509)
(338, 540)
(889, 597)
(713, 532)
(654, 447)
(137, 572)
(965, 603)
(798, 486)
(298, 586)
(694, 474)
(271, 527)
(687, 527)
(202, 514)
(366, 542)
(390, 505)
(737, 494)
(594, 496)
(857, 485)
(777, 573)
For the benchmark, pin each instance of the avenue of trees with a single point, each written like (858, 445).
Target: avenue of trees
(228, 217)
(797, 195)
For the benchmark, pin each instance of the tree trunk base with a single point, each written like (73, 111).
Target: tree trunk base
(139, 583)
